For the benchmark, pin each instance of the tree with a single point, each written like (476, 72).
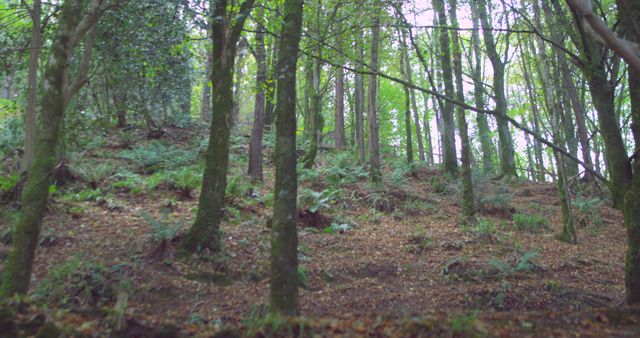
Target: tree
(73, 26)
(284, 236)
(255, 146)
(486, 144)
(507, 153)
(468, 201)
(225, 33)
(374, 141)
(32, 96)
(449, 140)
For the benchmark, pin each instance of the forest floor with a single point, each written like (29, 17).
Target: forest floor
(385, 260)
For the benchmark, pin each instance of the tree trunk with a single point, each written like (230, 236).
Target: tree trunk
(374, 142)
(630, 12)
(408, 77)
(407, 100)
(17, 274)
(340, 136)
(284, 240)
(427, 129)
(237, 84)
(32, 94)
(120, 103)
(205, 231)
(255, 145)
(270, 94)
(313, 121)
(449, 141)
(468, 200)
(359, 105)
(507, 153)
(205, 104)
(484, 131)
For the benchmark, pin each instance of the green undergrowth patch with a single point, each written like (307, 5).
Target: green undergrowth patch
(80, 282)
(532, 223)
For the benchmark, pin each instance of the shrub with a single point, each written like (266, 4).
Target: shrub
(524, 263)
(156, 155)
(78, 282)
(11, 130)
(237, 187)
(483, 227)
(92, 173)
(185, 180)
(590, 209)
(315, 201)
(129, 181)
(303, 277)
(83, 195)
(8, 183)
(163, 230)
(529, 223)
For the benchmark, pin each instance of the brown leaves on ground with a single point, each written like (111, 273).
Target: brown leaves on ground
(383, 277)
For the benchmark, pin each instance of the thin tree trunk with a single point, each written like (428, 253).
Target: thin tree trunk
(507, 152)
(284, 240)
(449, 141)
(407, 113)
(359, 105)
(339, 117)
(270, 94)
(374, 142)
(468, 200)
(255, 145)
(427, 129)
(484, 132)
(408, 77)
(32, 95)
(205, 104)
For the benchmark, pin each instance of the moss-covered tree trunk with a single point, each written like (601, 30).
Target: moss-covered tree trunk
(17, 274)
(205, 104)
(450, 159)
(507, 152)
(255, 145)
(629, 21)
(32, 92)
(205, 231)
(407, 104)
(374, 142)
(284, 237)
(427, 130)
(270, 90)
(484, 131)
(359, 104)
(468, 201)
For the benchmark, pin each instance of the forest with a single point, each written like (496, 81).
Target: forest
(318, 168)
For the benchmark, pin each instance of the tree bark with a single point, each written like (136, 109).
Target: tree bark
(359, 105)
(374, 141)
(449, 141)
(32, 94)
(255, 145)
(17, 274)
(205, 105)
(468, 200)
(284, 240)
(204, 234)
(484, 131)
(507, 152)
(339, 117)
